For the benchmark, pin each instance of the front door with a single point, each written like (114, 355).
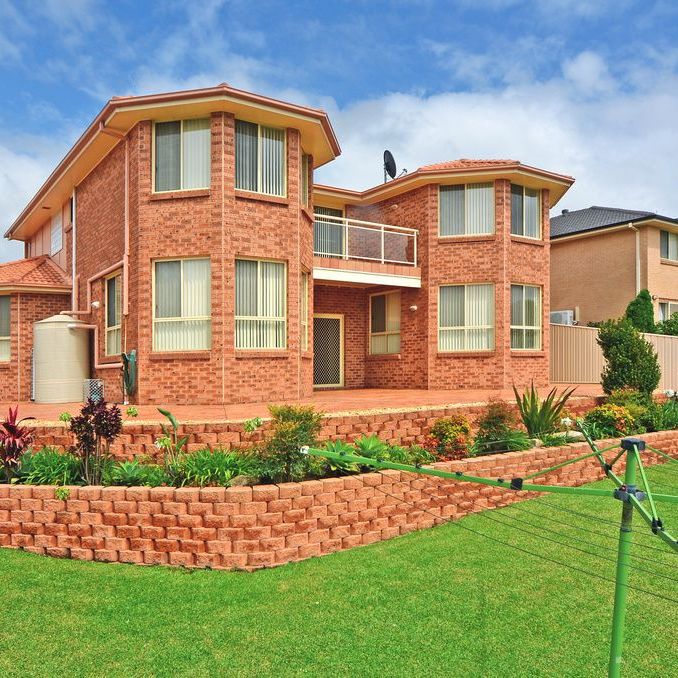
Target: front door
(328, 350)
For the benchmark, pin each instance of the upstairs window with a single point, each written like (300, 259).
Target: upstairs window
(182, 155)
(114, 315)
(669, 245)
(525, 317)
(182, 310)
(56, 234)
(260, 158)
(667, 309)
(4, 328)
(466, 318)
(525, 212)
(385, 323)
(466, 209)
(329, 233)
(260, 304)
(304, 183)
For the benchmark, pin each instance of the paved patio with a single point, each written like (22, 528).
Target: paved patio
(340, 401)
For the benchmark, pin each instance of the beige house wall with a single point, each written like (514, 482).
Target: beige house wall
(596, 274)
(662, 276)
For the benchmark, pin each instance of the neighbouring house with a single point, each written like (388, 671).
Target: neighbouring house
(601, 257)
(192, 232)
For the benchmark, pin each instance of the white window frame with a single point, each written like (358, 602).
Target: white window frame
(181, 159)
(386, 333)
(7, 339)
(528, 327)
(282, 319)
(181, 318)
(670, 307)
(466, 234)
(540, 229)
(110, 329)
(468, 328)
(260, 164)
(304, 286)
(670, 236)
(56, 239)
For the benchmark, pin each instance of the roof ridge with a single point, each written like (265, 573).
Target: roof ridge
(619, 209)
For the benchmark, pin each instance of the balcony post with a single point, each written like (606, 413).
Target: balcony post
(382, 243)
(345, 239)
(414, 237)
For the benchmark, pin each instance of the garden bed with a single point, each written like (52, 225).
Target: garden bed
(266, 525)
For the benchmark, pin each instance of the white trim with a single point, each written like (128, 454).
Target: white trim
(365, 277)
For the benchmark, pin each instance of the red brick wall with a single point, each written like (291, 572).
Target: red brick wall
(266, 525)
(25, 309)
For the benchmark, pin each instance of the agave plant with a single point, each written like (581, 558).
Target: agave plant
(541, 416)
(14, 441)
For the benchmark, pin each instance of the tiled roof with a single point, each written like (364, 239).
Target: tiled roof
(468, 163)
(40, 272)
(596, 217)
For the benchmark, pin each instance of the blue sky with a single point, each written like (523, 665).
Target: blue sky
(587, 88)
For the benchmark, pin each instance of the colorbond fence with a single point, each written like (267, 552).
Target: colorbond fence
(576, 357)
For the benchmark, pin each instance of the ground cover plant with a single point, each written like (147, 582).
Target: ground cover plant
(501, 606)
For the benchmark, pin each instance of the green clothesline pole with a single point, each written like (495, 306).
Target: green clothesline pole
(626, 492)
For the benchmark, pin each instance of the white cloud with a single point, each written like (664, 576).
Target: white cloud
(589, 73)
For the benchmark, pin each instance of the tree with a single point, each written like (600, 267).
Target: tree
(630, 360)
(641, 312)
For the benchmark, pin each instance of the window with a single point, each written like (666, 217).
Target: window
(329, 234)
(525, 212)
(304, 184)
(466, 209)
(385, 323)
(525, 317)
(259, 158)
(113, 315)
(303, 311)
(56, 234)
(182, 305)
(4, 328)
(466, 318)
(669, 245)
(182, 155)
(260, 304)
(666, 309)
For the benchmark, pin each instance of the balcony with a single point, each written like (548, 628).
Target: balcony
(350, 250)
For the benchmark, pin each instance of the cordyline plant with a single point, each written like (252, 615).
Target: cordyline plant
(541, 416)
(95, 428)
(14, 441)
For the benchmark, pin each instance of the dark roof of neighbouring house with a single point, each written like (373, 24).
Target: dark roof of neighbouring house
(33, 273)
(595, 218)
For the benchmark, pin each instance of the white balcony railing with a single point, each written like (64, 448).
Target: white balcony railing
(342, 238)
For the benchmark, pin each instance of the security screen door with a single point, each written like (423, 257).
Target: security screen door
(328, 350)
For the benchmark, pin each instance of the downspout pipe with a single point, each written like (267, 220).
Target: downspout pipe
(74, 232)
(637, 232)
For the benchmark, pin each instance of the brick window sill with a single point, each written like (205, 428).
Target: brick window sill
(668, 262)
(246, 354)
(528, 241)
(180, 355)
(378, 357)
(5, 365)
(444, 239)
(174, 195)
(466, 354)
(307, 355)
(520, 353)
(260, 197)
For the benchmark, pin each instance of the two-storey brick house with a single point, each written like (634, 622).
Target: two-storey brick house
(188, 232)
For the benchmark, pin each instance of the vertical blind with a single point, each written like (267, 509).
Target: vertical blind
(328, 234)
(385, 323)
(525, 317)
(303, 311)
(4, 328)
(113, 316)
(56, 236)
(259, 158)
(182, 319)
(466, 318)
(669, 245)
(467, 209)
(182, 155)
(525, 211)
(260, 304)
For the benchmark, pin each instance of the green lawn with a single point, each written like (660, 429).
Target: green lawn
(440, 602)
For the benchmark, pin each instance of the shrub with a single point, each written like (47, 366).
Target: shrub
(628, 396)
(512, 440)
(669, 326)
(95, 428)
(609, 421)
(50, 466)
(651, 418)
(670, 414)
(541, 417)
(215, 468)
(640, 312)
(292, 427)
(496, 430)
(135, 473)
(449, 438)
(14, 441)
(630, 361)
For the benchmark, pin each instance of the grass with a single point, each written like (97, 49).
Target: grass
(440, 602)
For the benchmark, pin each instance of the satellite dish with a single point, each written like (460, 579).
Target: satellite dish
(389, 165)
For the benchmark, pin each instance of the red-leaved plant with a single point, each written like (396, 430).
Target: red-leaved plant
(15, 439)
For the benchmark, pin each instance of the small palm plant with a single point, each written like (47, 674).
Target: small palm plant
(539, 416)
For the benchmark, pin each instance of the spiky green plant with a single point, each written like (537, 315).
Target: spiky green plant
(541, 416)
